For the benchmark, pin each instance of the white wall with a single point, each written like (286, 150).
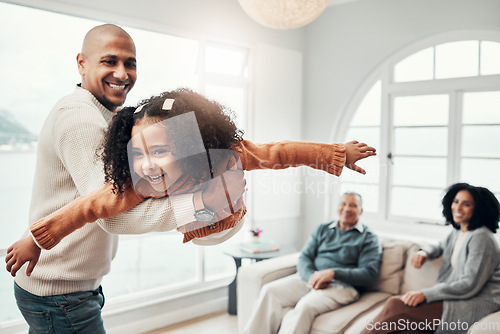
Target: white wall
(347, 42)
(276, 195)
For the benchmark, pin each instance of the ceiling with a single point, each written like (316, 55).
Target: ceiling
(339, 2)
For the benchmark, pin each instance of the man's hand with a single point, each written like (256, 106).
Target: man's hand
(418, 259)
(413, 298)
(21, 252)
(355, 151)
(321, 279)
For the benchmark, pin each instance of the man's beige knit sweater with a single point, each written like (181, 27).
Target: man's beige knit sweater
(68, 167)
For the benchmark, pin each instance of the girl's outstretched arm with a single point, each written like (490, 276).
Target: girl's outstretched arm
(104, 203)
(49, 231)
(280, 155)
(101, 203)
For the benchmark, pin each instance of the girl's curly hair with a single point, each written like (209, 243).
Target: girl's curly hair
(486, 207)
(218, 131)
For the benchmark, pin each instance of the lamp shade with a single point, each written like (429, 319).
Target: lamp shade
(284, 14)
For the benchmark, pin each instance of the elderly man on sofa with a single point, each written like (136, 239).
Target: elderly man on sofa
(339, 259)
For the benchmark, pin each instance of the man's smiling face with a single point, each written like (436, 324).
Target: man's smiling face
(108, 69)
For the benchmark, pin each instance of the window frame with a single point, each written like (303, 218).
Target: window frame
(454, 87)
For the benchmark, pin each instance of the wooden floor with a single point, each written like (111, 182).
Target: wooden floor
(215, 323)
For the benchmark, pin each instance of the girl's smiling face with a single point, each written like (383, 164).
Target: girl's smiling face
(152, 155)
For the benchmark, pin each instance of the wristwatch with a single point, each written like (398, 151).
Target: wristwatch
(201, 213)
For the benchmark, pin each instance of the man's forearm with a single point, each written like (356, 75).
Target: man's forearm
(101, 203)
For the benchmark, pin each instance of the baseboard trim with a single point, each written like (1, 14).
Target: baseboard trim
(149, 317)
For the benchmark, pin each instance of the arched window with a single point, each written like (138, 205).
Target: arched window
(433, 112)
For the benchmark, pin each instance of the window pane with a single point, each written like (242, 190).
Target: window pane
(370, 136)
(368, 192)
(417, 203)
(490, 58)
(368, 112)
(15, 194)
(55, 69)
(481, 172)
(418, 66)
(162, 254)
(421, 110)
(217, 264)
(457, 59)
(24, 106)
(481, 141)
(8, 308)
(431, 141)
(232, 97)
(372, 167)
(159, 69)
(481, 108)
(225, 61)
(419, 172)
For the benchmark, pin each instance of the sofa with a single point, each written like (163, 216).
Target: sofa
(397, 276)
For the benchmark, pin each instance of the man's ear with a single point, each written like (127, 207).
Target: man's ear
(80, 61)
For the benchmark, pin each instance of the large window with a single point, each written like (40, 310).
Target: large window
(38, 67)
(434, 114)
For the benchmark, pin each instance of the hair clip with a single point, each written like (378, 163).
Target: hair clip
(167, 105)
(139, 108)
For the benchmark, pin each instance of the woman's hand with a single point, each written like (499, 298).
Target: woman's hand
(355, 151)
(22, 251)
(418, 259)
(413, 298)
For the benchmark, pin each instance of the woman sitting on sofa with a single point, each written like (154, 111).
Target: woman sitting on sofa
(468, 284)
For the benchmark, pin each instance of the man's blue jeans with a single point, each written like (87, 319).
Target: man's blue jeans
(78, 312)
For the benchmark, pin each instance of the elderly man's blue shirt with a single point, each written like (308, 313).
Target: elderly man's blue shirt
(354, 255)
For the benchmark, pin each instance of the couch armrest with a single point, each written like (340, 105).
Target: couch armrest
(487, 325)
(251, 278)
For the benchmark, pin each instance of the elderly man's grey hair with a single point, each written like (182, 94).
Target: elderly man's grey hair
(354, 194)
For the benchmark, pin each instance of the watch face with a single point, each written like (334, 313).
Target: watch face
(204, 215)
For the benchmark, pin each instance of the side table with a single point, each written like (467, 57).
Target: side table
(237, 254)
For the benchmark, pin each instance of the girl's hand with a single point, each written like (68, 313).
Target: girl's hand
(22, 251)
(413, 298)
(355, 151)
(418, 259)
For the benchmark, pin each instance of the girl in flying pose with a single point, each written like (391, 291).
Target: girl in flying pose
(173, 143)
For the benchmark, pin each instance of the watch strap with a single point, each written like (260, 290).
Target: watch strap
(198, 201)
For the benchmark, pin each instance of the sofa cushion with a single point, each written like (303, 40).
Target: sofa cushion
(251, 279)
(417, 279)
(360, 323)
(336, 321)
(487, 325)
(391, 270)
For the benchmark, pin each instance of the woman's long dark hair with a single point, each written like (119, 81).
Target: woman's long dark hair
(486, 207)
(215, 124)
